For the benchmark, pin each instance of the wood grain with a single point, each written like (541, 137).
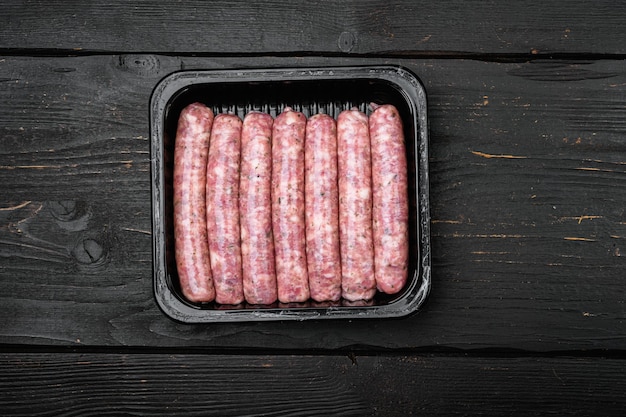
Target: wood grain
(526, 104)
(527, 163)
(528, 27)
(65, 384)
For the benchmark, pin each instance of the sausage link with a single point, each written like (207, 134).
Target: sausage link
(322, 208)
(288, 206)
(390, 199)
(355, 206)
(222, 208)
(255, 210)
(190, 231)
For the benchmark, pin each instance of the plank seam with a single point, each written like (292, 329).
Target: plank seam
(409, 54)
(352, 352)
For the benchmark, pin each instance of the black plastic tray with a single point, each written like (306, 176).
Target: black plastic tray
(311, 91)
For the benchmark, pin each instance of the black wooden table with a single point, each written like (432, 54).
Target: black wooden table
(527, 112)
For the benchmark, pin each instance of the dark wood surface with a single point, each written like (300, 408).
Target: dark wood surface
(527, 113)
(310, 385)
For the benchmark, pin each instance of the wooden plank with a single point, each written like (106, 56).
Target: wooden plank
(224, 385)
(527, 192)
(303, 27)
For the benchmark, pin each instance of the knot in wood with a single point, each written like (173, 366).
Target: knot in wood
(89, 252)
(346, 41)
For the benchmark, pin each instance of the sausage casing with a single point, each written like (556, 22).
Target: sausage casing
(288, 206)
(190, 231)
(355, 206)
(390, 199)
(322, 208)
(255, 210)
(222, 208)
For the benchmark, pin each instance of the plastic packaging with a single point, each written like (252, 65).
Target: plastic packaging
(311, 91)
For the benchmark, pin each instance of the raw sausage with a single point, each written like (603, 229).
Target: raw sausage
(288, 206)
(190, 231)
(355, 206)
(390, 199)
(255, 210)
(322, 208)
(222, 208)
